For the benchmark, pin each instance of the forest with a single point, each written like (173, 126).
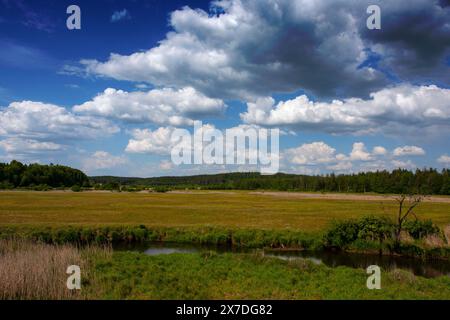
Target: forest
(18, 175)
(424, 181)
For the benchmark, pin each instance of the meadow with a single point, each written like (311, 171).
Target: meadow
(62, 219)
(234, 209)
(208, 275)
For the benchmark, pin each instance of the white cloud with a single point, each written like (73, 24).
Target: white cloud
(320, 157)
(27, 146)
(379, 150)
(102, 160)
(341, 166)
(403, 164)
(165, 165)
(444, 159)
(248, 48)
(360, 153)
(40, 121)
(311, 154)
(152, 142)
(159, 141)
(259, 47)
(391, 109)
(30, 127)
(161, 106)
(408, 151)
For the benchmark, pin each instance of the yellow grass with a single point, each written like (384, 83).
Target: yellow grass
(36, 271)
(221, 209)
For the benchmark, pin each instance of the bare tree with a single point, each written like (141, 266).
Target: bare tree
(406, 205)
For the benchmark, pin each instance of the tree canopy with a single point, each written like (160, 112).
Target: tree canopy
(424, 181)
(16, 174)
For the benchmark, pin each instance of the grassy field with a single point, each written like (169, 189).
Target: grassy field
(257, 220)
(131, 275)
(223, 209)
(128, 275)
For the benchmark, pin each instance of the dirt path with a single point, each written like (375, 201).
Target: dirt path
(342, 196)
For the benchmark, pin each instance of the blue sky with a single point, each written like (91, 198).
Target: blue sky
(346, 98)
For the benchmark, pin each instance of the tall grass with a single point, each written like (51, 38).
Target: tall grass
(32, 271)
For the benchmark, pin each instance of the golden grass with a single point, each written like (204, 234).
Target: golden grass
(36, 271)
(30, 271)
(221, 209)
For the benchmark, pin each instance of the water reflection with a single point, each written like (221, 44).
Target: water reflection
(429, 269)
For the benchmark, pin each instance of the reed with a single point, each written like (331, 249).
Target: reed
(35, 271)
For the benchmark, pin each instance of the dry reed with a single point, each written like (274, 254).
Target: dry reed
(38, 271)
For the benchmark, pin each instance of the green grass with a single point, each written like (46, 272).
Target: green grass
(128, 275)
(222, 210)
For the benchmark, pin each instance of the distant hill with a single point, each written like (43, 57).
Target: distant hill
(427, 181)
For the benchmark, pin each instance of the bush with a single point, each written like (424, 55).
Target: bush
(342, 234)
(5, 185)
(420, 229)
(161, 189)
(375, 228)
(76, 188)
(371, 228)
(41, 187)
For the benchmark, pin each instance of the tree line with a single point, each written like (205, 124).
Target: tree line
(400, 181)
(18, 175)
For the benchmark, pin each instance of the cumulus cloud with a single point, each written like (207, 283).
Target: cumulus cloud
(379, 150)
(37, 120)
(341, 166)
(28, 146)
(414, 41)
(243, 49)
(238, 147)
(444, 159)
(153, 142)
(311, 154)
(321, 157)
(160, 106)
(34, 127)
(391, 109)
(408, 164)
(102, 160)
(408, 151)
(251, 48)
(360, 153)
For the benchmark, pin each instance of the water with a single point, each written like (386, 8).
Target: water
(428, 269)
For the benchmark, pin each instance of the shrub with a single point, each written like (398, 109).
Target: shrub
(76, 188)
(342, 234)
(420, 229)
(375, 228)
(161, 189)
(41, 187)
(371, 228)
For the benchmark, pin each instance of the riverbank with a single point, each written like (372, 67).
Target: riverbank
(107, 274)
(228, 237)
(131, 275)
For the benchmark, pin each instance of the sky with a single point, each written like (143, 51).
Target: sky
(106, 98)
